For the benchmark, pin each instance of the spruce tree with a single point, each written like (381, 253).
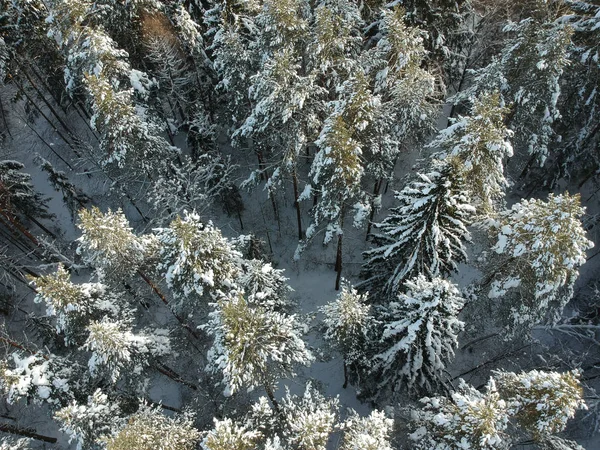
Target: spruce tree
(419, 334)
(424, 235)
(367, 433)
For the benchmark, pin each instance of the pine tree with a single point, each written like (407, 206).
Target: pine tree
(39, 378)
(86, 423)
(116, 349)
(108, 243)
(422, 236)
(542, 402)
(228, 435)
(527, 75)
(73, 197)
(150, 429)
(264, 285)
(540, 246)
(253, 346)
(479, 143)
(74, 305)
(309, 420)
(195, 258)
(419, 334)
(468, 419)
(580, 127)
(367, 433)
(447, 27)
(348, 322)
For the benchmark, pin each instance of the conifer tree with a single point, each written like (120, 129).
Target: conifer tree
(228, 435)
(424, 235)
(348, 322)
(108, 243)
(86, 423)
(150, 429)
(542, 402)
(540, 246)
(264, 285)
(468, 419)
(195, 257)
(116, 349)
(527, 75)
(309, 420)
(74, 305)
(18, 197)
(479, 143)
(253, 346)
(367, 433)
(419, 334)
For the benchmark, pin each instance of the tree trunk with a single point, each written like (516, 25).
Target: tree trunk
(345, 385)
(372, 214)
(338, 263)
(271, 395)
(27, 432)
(297, 205)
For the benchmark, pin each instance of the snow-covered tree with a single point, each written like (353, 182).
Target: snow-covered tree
(580, 126)
(193, 185)
(447, 27)
(468, 419)
(542, 402)
(150, 429)
(419, 334)
(335, 41)
(37, 377)
(17, 194)
(347, 322)
(310, 419)
(527, 75)
(87, 423)
(108, 243)
(73, 197)
(424, 235)
(253, 346)
(74, 305)
(337, 169)
(196, 258)
(228, 435)
(479, 144)
(540, 246)
(115, 349)
(264, 285)
(367, 433)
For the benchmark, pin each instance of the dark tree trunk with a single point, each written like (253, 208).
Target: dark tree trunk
(338, 263)
(297, 205)
(27, 432)
(372, 214)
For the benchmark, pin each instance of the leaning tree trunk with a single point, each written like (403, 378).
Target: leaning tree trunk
(26, 432)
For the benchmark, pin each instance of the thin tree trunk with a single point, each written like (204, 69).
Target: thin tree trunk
(345, 385)
(167, 371)
(372, 214)
(4, 119)
(27, 432)
(297, 205)
(271, 395)
(338, 262)
(21, 347)
(166, 302)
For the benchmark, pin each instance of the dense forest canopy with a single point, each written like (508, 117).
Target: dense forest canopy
(299, 224)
